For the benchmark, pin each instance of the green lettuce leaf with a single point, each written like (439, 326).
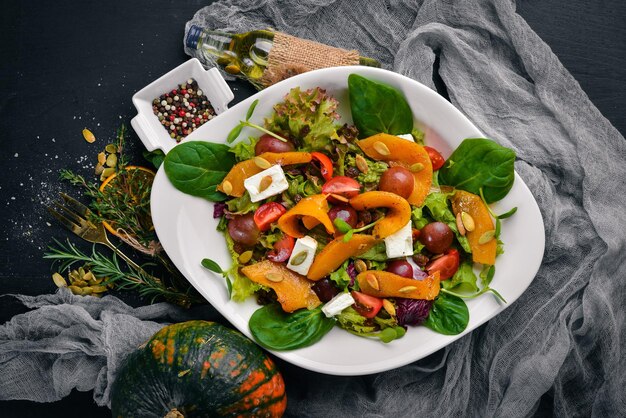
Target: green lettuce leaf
(244, 150)
(242, 286)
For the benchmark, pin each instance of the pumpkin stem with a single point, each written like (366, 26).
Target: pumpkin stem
(174, 413)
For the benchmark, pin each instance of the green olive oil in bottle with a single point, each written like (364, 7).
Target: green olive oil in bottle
(247, 54)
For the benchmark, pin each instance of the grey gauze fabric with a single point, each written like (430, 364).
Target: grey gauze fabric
(565, 336)
(562, 340)
(69, 342)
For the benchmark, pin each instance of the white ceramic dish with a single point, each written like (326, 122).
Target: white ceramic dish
(186, 229)
(146, 124)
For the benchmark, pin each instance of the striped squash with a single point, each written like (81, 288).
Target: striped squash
(198, 369)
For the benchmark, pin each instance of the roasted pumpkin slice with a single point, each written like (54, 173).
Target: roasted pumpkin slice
(310, 210)
(384, 284)
(232, 184)
(336, 252)
(399, 151)
(398, 211)
(483, 248)
(293, 291)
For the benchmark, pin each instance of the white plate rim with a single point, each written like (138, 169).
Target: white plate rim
(168, 203)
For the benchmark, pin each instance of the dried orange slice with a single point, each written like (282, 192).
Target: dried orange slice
(112, 184)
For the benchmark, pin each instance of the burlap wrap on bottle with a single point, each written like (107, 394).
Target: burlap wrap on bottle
(290, 56)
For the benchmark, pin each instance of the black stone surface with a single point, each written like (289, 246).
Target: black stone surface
(68, 65)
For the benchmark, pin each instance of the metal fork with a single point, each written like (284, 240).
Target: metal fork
(75, 216)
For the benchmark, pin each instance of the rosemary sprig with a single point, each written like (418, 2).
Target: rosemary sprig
(147, 286)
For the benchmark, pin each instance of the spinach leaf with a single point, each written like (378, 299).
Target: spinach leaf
(155, 157)
(198, 167)
(277, 330)
(377, 108)
(480, 163)
(449, 315)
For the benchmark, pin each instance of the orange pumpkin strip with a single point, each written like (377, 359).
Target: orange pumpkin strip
(247, 168)
(315, 207)
(292, 290)
(391, 285)
(404, 153)
(336, 252)
(473, 205)
(398, 211)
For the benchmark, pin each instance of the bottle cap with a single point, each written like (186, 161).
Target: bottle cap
(192, 37)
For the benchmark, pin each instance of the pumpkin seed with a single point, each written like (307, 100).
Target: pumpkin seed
(184, 372)
(59, 280)
(262, 163)
(487, 236)
(407, 289)
(299, 258)
(361, 246)
(381, 148)
(87, 290)
(99, 169)
(245, 256)
(88, 276)
(468, 221)
(361, 164)
(459, 224)
(274, 277)
(102, 158)
(232, 69)
(111, 160)
(340, 197)
(388, 306)
(111, 148)
(80, 283)
(266, 181)
(75, 290)
(360, 266)
(74, 276)
(107, 172)
(227, 187)
(89, 136)
(372, 281)
(81, 272)
(98, 289)
(416, 168)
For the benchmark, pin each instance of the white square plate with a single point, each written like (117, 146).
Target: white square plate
(186, 229)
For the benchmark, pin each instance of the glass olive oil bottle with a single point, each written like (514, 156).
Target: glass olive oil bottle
(247, 55)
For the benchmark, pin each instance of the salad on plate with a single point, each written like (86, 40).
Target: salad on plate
(357, 225)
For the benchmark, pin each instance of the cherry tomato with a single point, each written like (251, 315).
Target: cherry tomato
(326, 165)
(446, 265)
(366, 305)
(397, 180)
(268, 213)
(436, 237)
(282, 249)
(342, 186)
(267, 143)
(435, 158)
(243, 229)
(401, 268)
(345, 212)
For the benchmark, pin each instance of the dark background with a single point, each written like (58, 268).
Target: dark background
(70, 65)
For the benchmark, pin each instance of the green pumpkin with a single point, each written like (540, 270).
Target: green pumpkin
(198, 369)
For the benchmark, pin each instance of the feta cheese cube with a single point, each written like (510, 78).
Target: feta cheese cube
(400, 243)
(307, 245)
(408, 137)
(337, 304)
(278, 185)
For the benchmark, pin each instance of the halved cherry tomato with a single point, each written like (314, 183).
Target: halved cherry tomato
(326, 165)
(446, 265)
(366, 305)
(343, 186)
(282, 249)
(435, 157)
(268, 213)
